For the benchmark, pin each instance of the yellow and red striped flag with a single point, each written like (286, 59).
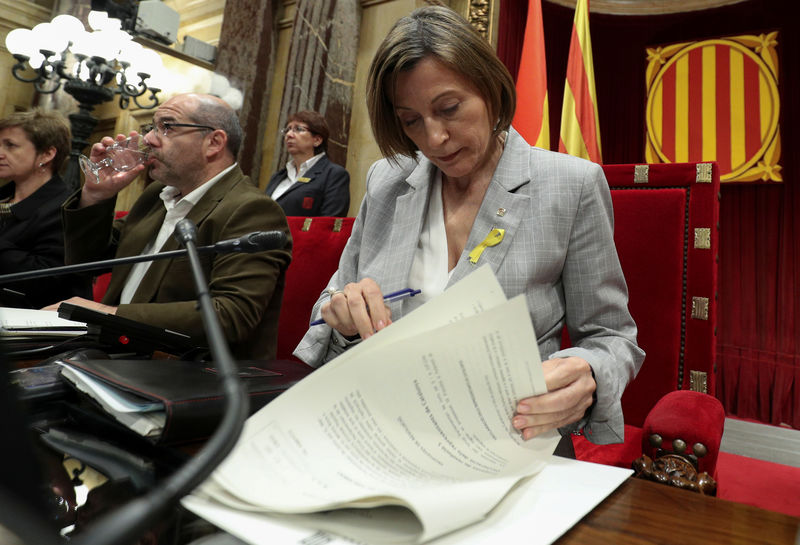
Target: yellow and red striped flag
(532, 119)
(580, 127)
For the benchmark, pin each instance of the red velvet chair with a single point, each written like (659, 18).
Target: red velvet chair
(100, 282)
(317, 244)
(666, 232)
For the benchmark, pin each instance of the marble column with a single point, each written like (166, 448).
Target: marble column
(321, 70)
(246, 56)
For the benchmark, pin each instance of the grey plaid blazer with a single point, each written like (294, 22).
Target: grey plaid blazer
(558, 250)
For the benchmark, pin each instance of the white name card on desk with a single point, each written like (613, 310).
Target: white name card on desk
(537, 512)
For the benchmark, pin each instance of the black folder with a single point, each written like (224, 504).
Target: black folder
(191, 391)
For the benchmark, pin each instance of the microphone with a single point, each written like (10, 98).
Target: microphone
(257, 241)
(185, 231)
(254, 242)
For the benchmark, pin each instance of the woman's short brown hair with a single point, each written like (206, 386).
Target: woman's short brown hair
(45, 130)
(438, 32)
(316, 124)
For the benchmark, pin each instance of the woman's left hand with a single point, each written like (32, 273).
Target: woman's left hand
(570, 387)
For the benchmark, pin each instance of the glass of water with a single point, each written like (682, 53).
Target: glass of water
(120, 156)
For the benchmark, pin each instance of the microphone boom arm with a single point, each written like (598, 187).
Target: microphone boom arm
(128, 522)
(254, 242)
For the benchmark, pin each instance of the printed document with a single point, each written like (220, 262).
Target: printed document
(410, 429)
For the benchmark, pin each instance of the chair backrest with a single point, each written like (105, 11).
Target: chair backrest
(666, 232)
(317, 244)
(101, 282)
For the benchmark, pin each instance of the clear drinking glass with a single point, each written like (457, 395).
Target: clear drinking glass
(120, 156)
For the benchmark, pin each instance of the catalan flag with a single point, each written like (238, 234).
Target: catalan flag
(580, 127)
(531, 118)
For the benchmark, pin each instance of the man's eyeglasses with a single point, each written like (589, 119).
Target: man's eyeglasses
(297, 130)
(164, 128)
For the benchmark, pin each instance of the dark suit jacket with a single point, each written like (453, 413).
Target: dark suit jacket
(246, 288)
(33, 239)
(327, 193)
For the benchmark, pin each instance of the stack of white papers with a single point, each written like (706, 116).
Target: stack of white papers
(537, 512)
(145, 417)
(29, 323)
(405, 438)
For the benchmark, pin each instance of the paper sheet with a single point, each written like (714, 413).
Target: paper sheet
(537, 513)
(418, 416)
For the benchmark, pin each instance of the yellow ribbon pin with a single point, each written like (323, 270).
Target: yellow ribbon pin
(492, 239)
(304, 180)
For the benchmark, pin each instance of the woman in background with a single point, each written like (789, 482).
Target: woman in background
(310, 185)
(33, 146)
(441, 105)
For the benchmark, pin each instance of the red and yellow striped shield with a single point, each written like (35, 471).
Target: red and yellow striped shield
(716, 100)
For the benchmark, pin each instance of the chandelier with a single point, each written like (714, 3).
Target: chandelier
(92, 67)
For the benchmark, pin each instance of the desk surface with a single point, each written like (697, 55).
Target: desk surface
(644, 512)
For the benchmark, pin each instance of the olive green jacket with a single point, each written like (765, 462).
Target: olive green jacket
(246, 288)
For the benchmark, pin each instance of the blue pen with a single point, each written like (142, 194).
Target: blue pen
(389, 297)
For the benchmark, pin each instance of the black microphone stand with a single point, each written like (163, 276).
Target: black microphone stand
(127, 523)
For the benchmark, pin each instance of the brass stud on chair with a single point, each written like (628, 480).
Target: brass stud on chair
(703, 173)
(655, 440)
(699, 450)
(641, 174)
(702, 238)
(698, 381)
(700, 308)
(679, 446)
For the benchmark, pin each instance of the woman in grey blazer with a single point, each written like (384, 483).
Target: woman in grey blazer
(441, 105)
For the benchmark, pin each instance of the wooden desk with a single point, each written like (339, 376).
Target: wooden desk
(642, 512)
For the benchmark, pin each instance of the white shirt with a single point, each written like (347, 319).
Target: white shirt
(177, 208)
(292, 174)
(429, 269)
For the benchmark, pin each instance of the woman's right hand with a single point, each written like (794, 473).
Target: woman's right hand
(109, 182)
(358, 308)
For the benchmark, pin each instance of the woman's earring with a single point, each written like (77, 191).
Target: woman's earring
(41, 165)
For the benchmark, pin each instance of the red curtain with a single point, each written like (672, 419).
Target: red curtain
(758, 341)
